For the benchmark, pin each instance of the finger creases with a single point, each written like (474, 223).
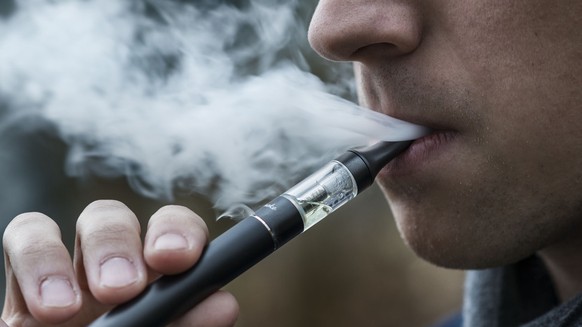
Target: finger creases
(40, 276)
(174, 240)
(109, 252)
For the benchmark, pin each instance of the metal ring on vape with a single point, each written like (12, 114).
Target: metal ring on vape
(273, 236)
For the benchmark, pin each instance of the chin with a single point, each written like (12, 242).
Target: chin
(450, 241)
(456, 254)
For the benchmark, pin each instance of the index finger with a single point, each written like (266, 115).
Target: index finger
(40, 276)
(108, 251)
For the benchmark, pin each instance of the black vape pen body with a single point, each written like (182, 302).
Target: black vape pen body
(238, 249)
(224, 259)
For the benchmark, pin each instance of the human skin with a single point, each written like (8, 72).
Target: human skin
(499, 83)
(110, 265)
(499, 179)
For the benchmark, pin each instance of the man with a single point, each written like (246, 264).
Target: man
(497, 181)
(499, 178)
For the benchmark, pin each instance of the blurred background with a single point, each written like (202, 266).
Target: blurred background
(351, 269)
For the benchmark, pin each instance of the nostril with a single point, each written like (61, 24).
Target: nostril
(352, 31)
(341, 42)
(377, 50)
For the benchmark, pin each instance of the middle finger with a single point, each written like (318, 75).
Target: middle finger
(109, 251)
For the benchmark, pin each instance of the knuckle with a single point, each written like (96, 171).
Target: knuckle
(106, 204)
(112, 233)
(42, 254)
(110, 216)
(37, 249)
(25, 220)
(175, 212)
(27, 226)
(177, 215)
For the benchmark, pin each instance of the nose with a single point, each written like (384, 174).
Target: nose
(358, 30)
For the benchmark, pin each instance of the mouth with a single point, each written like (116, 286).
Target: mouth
(420, 153)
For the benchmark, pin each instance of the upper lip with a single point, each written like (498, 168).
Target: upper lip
(422, 119)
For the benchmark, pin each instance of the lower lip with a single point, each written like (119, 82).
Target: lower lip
(420, 152)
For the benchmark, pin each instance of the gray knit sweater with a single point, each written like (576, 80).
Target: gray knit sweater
(521, 294)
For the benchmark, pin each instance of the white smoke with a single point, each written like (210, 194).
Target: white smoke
(179, 97)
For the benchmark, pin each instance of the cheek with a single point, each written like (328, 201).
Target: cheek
(519, 53)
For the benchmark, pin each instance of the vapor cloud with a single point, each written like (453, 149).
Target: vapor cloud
(179, 97)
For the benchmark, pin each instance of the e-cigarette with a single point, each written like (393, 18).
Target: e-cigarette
(255, 237)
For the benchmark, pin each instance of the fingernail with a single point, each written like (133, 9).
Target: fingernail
(57, 292)
(171, 241)
(118, 272)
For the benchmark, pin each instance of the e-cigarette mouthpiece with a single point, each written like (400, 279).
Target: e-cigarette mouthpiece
(340, 180)
(255, 237)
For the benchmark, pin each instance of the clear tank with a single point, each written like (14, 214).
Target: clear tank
(323, 192)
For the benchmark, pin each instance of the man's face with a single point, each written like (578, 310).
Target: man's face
(500, 83)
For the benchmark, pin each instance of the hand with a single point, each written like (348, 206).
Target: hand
(110, 265)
